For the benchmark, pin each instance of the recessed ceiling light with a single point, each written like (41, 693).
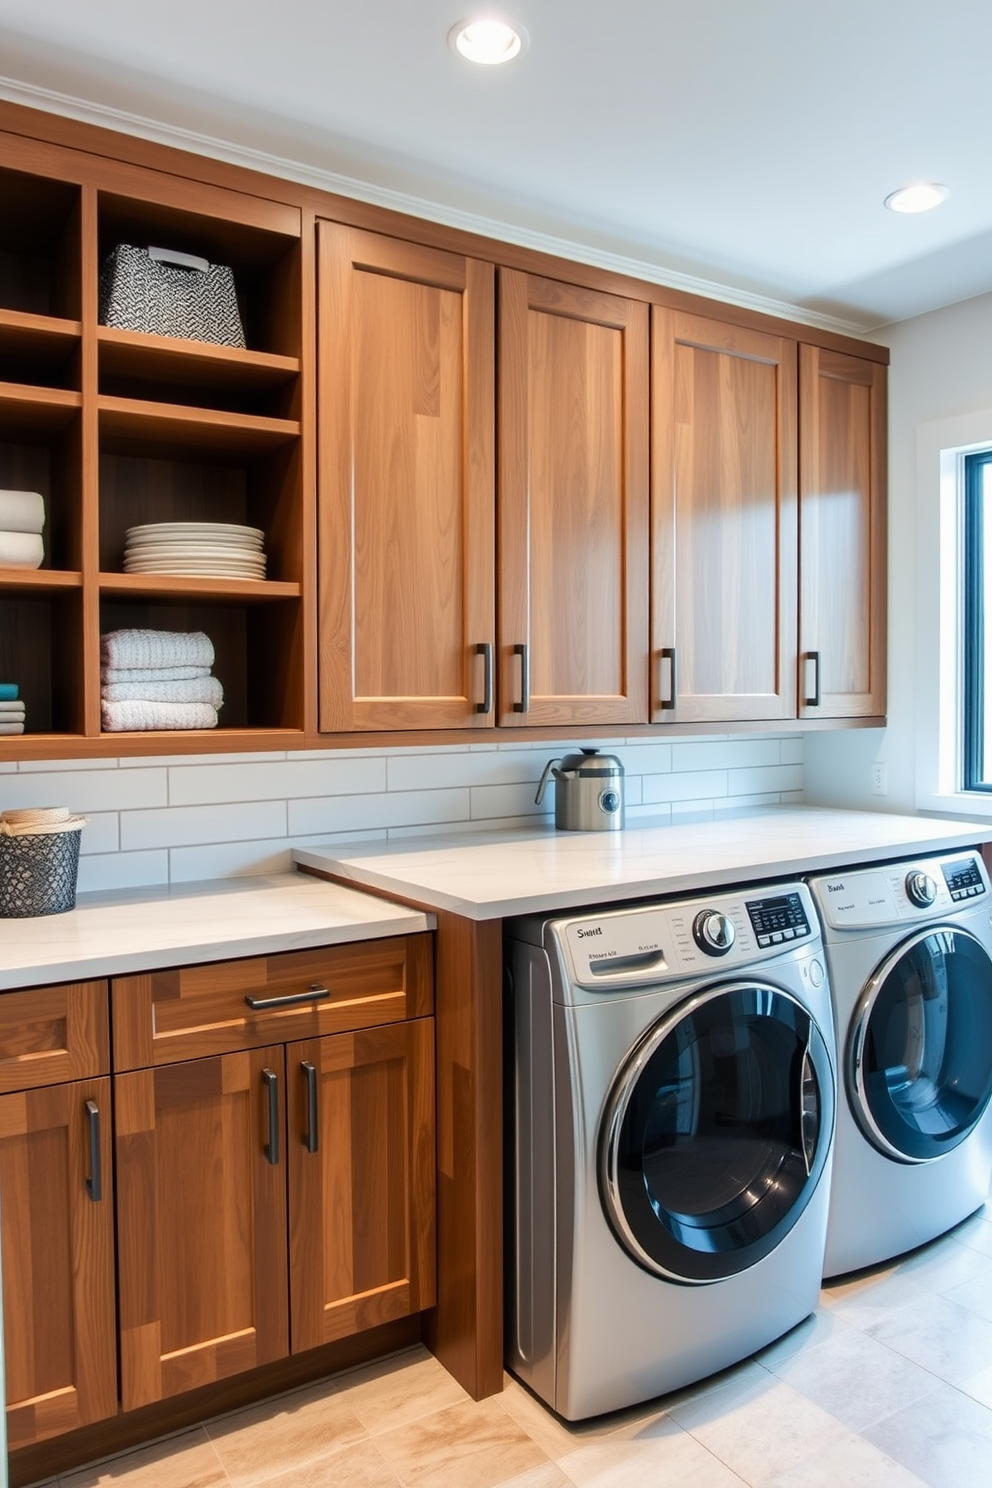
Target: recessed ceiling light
(921, 197)
(487, 41)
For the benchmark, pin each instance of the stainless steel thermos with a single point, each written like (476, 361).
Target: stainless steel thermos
(588, 791)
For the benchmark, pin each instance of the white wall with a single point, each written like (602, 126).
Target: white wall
(941, 367)
(174, 819)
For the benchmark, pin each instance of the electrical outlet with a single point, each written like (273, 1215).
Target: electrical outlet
(879, 778)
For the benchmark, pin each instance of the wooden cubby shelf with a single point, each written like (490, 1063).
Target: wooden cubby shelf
(36, 409)
(191, 428)
(133, 354)
(256, 591)
(39, 580)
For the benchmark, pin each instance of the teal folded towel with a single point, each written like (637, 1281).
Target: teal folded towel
(8, 692)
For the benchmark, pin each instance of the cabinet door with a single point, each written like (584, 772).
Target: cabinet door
(201, 1201)
(842, 525)
(58, 1259)
(573, 512)
(406, 526)
(724, 517)
(361, 1180)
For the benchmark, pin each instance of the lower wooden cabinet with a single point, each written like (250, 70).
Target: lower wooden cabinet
(58, 1259)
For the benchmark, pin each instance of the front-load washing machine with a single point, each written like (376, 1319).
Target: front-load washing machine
(670, 1113)
(908, 951)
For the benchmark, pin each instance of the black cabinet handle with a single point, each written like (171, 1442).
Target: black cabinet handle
(261, 1004)
(94, 1183)
(271, 1082)
(313, 1120)
(523, 651)
(668, 654)
(485, 650)
(814, 701)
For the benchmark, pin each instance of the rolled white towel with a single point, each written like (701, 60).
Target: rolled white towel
(110, 674)
(138, 715)
(156, 648)
(196, 690)
(22, 511)
(21, 549)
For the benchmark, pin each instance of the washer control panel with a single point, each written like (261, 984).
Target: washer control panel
(963, 878)
(777, 920)
(653, 943)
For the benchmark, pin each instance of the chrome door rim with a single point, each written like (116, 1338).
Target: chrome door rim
(623, 1088)
(857, 1091)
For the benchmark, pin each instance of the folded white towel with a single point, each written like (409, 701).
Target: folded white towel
(197, 690)
(10, 711)
(11, 728)
(22, 511)
(156, 648)
(110, 674)
(139, 715)
(21, 549)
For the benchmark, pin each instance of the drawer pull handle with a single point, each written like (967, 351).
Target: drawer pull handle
(522, 650)
(292, 999)
(94, 1183)
(668, 653)
(313, 1123)
(485, 650)
(814, 658)
(271, 1082)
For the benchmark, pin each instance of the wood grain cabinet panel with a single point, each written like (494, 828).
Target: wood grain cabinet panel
(842, 526)
(361, 1180)
(201, 1219)
(724, 522)
(193, 1011)
(406, 484)
(573, 512)
(58, 1259)
(52, 1034)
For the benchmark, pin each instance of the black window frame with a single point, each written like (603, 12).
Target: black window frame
(973, 629)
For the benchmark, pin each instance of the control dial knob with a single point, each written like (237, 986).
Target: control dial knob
(921, 889)
(713, 932)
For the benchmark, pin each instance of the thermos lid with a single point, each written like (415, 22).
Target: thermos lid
(589, 763)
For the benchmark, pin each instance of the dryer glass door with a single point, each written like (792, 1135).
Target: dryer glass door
(919, 1070)
(716, 1133)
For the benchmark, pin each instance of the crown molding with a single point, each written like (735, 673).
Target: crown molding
(445, 214)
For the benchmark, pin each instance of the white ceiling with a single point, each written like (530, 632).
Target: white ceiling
(745, 142)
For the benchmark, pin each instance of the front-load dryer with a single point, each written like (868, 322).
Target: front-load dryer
(909, 951)
(671, 1109)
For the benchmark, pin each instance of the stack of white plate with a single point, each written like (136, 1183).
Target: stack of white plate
(209, 549)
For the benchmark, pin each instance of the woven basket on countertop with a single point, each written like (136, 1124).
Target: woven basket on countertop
(39, 861)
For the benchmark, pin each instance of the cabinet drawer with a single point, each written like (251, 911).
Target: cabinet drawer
(195, 1011)
(52, 1034)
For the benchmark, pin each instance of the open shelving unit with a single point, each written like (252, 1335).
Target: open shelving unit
(118, 428)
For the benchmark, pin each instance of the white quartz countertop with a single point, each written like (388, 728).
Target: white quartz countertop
(118, 934)
(492, 874)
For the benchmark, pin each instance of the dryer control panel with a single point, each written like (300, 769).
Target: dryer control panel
(899, 893)
(646, 945)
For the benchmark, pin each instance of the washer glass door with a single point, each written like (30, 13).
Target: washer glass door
(716, 1132)
(920, 1054)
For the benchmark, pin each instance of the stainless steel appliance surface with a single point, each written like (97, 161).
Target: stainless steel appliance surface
(588, 791)
(909, 952)
(670, 1133)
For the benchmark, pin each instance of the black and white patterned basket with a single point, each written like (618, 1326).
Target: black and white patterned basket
(170, 294)
(38, 874)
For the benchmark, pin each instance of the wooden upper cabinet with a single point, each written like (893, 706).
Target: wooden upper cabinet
(573, 504)
(842, 535)
(724, 522)
(58, 1259)
(406, 529)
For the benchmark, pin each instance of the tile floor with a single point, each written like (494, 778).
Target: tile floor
(888, 1385)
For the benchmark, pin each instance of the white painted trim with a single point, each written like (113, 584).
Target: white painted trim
(124, 122)
(940, 449)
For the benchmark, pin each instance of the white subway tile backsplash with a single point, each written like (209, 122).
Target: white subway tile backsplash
(86, 790)
(283, 779)
(123, 870)
(395, 808)
(692, 754)
(229, 860)
(180, 826)
(184, 818)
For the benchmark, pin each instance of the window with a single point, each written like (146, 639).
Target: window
(976, 642)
